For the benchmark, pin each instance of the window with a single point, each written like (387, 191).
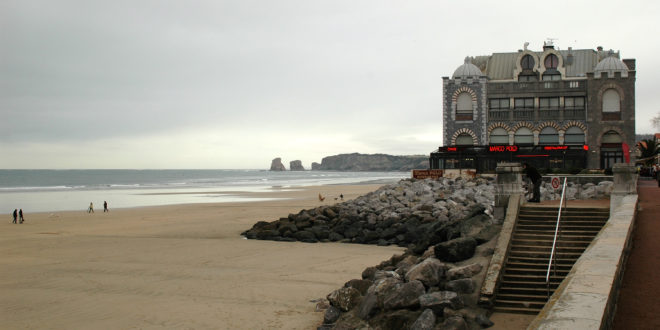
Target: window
(549, 135)
(464, 107)
(523, 136)
(499, 136)
(551, 76)
(574, 135)
(611, 137)
(464, 139)
(611, 105)
(524, 103)
(551, 62)
(527, 62)
(499, 104)
(549, 102)
(574, 102)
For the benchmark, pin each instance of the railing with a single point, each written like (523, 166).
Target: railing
(552, 262)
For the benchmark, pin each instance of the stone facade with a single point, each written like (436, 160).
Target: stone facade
(582, 98)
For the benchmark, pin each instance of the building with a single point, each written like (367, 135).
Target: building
(572, 108)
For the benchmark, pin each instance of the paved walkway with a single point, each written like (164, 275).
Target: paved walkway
(639, 298)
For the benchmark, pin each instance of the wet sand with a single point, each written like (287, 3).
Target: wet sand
(179, 266)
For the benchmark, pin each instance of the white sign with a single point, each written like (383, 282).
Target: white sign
(555, 182)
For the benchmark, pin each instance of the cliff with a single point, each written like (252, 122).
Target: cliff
(276, 165)
(375, 162)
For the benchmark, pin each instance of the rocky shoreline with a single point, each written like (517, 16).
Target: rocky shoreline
(449, 232)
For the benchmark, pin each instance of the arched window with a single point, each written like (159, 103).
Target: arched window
(551, 62)
(523, 136)
(499, 136)
(527, 62)
(574, 135)
(464, 139)
(611, 137)
(464, 106)
(549, 135)
(611, 105)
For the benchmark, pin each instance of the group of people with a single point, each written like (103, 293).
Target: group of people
(90, 209)
(18, 215)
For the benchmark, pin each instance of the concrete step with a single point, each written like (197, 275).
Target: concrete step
(516, 310)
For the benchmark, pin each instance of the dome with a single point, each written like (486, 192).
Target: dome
(467, 70)
(610, 65)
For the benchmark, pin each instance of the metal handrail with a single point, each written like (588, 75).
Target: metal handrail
(551, 262)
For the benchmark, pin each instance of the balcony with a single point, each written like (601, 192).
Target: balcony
(549, 114)
(523, 114)
(499, 115)
(574, 114)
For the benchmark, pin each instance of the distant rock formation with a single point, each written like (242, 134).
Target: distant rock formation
(296, 165)
(375, 162)
(276, 165)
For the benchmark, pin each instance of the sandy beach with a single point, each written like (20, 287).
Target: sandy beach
(173, 267)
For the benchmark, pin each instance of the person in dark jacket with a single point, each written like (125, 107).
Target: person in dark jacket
(20, 215)
(535, 177)
(15, 215)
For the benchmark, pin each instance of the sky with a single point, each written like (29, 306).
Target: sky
(234, 84)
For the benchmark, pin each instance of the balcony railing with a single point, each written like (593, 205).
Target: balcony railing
(549, 114)
(499, 115)
(574, 113)
(544, 114)
(523, 114)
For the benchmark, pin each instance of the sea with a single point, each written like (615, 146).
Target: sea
(64, 190)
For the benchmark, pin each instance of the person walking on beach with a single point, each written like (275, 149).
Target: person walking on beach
(15, 215)
(91, 208)
(535, 177)
(20, 215)
(105, 207)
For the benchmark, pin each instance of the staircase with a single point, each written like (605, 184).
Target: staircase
(522, 287)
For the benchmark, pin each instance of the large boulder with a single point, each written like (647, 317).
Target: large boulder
(406, 296)
(456, 250)
(426, 321)
(429, 272)
(345, 298)
(438, 300)
(276, 165)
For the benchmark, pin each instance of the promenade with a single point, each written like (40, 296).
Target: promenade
(639, 298)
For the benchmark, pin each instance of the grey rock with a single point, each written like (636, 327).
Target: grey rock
(464, 271)
(438, 300)
(426, 321)
(454, 323)
(464, 285)
(331, 315)
(276, 165)
(296, 165)
(429, 272)
(456, 250)
(405, 296)
(345, 298)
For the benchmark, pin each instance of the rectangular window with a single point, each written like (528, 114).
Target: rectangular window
(499, 104)
(549, 102)
(524, 103)
(574, 102)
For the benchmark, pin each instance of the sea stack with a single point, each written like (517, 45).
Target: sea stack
(276, 165)
(296, 165)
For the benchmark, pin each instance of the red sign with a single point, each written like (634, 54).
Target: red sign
(502, 148)
(555, 147)
(425, 174)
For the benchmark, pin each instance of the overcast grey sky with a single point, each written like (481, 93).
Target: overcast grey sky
(234, 84)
